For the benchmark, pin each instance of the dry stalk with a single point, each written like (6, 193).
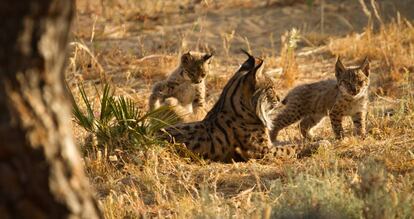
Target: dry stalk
(288, 57)
(93, 57)
(376, 13)
(367, 13)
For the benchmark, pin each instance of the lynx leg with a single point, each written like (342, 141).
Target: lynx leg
(171, 101)
(359, 120)
(177, 108)
(284, 119)
(308, 123)
(156, 95)
(199, 103)
(153, 102)
(336, 122)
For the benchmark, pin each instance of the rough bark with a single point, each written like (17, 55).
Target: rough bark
(41, 173)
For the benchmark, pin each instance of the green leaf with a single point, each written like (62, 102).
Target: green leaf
(121, 124)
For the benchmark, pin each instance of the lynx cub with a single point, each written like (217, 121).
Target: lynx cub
(345, 96)
(185, 88)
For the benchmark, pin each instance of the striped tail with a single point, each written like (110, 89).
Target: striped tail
(287, 151)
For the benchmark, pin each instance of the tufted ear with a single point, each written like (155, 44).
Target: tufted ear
(251, 76)
(207, 56)
(186, 58)
(339, 68)
(258, 63)
(249, 63)
(365, 66)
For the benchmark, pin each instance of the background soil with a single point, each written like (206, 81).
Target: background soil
(135, 46)
(132, 44)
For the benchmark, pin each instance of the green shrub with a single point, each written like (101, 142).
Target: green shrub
(307, 196)
(321, 193)
(119, 123)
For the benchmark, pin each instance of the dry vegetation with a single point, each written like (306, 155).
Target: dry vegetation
(131, 44)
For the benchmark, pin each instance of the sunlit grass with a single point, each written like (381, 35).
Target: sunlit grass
(137, 175)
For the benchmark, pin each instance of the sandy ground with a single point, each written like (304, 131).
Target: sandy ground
(131, 47)
(260, 27)
(135, 49)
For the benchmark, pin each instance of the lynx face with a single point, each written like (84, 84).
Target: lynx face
(267, 103)
(352, 81)
(195, 66)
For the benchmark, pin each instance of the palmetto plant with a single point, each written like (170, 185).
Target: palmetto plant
(119, 123)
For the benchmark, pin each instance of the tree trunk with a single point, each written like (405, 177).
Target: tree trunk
(41, 173)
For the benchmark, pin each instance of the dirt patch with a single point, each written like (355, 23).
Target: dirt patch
(133, 44)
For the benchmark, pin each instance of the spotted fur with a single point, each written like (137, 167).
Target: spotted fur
(185, 87)
(345, 96)
(237, 127)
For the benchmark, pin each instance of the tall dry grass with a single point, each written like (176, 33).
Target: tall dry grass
(288, 58)
(371, 178)
(391, 46)
(355, 178)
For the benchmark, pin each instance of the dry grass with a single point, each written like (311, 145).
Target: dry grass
(288, 58)
(392, 46)
(354, 178)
